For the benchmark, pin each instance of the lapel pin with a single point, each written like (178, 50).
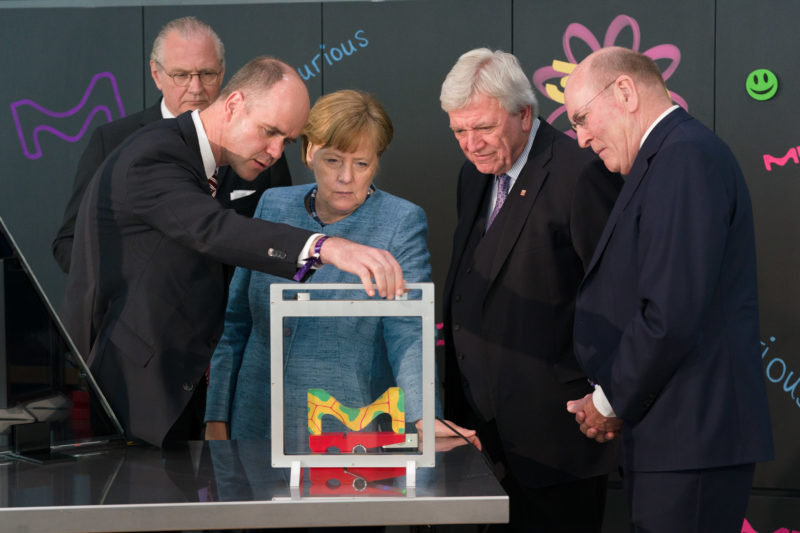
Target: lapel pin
(522, 192)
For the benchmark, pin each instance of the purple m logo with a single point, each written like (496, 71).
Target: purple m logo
(38, 119)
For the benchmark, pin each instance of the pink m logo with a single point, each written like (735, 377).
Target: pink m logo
(790, 154)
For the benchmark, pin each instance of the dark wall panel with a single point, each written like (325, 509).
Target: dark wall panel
(51, 59)
(412, 46)
(754, 129)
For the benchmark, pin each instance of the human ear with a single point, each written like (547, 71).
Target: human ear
(154, 74)
(627, 93)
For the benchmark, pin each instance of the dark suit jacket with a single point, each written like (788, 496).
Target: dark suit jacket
(667, 316)
(546, 241)
(108, 136)
(146, 295)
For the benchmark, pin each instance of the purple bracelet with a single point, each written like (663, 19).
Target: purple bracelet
(311, 261)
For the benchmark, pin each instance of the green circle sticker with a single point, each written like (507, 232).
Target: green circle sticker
(761, 84)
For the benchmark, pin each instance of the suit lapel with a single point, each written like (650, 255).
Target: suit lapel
(475, 186)
(634, 178)
(523, 195)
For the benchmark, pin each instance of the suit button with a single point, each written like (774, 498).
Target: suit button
(458, 297)
(469, 269)
(461, 356)
(456, 327)
(188, 386)
(287, 332)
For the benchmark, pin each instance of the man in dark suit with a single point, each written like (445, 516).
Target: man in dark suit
(146, 292)
(667, 314)
(509, 298)
(187, 65)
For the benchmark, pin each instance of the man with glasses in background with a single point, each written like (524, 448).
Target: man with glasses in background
(187, 65)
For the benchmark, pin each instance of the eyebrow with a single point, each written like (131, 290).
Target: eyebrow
(475, 127)
(578, 118)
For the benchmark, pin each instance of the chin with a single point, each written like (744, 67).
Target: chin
(487, 169)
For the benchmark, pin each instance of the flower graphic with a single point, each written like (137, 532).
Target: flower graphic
(560, 70)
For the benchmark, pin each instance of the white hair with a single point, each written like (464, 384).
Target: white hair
(496, 74)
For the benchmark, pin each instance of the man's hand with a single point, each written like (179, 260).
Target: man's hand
(446, 439)
(367, 263)
(592, 423)
(216, 430)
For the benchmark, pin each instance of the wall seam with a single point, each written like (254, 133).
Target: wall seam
(146, 61)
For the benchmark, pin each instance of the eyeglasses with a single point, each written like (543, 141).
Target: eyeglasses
(182, 79)
(579, 117)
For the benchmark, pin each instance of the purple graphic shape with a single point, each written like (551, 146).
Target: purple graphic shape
(621, 22)
(37, 153)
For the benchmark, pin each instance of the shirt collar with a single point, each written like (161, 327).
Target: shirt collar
(165, 113)
(516, 168)
(655, 123)
(209, 164)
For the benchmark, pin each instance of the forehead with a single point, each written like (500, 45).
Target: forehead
(482, 109)
(283, 106)
(576, 93)
(197, 51)
(364, 147)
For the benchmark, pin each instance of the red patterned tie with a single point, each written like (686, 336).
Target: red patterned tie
(212, 182)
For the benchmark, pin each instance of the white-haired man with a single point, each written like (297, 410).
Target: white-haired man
(531, 206)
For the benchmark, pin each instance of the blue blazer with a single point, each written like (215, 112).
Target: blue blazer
(667, 314)
(353, 358)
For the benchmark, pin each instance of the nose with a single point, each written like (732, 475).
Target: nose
(195, 85)
(275, 148)
(346, 173)
(583, 137)
(472, 141)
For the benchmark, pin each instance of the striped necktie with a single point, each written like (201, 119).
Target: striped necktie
(212, 183)
(502, 193)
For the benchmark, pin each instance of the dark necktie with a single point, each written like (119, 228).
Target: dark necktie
(502, 193)
(212, 182)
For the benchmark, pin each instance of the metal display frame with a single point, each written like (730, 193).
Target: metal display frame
(302, 306)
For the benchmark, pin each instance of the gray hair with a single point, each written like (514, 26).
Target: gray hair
(496, 74)
(188, 27)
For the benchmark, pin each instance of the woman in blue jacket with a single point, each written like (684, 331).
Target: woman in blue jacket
(354, 358)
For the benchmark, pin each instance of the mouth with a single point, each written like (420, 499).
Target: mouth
(765, 91)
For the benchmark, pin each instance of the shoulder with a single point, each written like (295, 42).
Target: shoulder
(692, 141)
(287, 193)
(282, 203)
(392, 207)
(122, 127)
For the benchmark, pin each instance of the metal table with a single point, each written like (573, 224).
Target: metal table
(230, 485)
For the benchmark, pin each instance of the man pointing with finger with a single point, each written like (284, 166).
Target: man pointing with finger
(146, 292)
